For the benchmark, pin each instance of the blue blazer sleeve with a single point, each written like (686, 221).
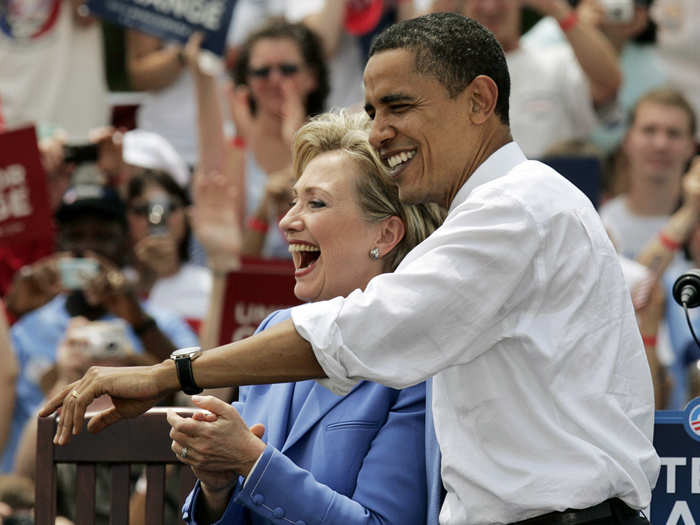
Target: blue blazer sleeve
(390, 486)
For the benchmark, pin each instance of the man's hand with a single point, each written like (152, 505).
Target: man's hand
(133, 390)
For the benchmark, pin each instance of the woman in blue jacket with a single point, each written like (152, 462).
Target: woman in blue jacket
(312, 456)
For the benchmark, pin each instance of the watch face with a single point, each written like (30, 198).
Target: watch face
(185, 352)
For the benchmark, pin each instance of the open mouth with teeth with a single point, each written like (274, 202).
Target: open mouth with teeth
(396, 160)
(304, 255)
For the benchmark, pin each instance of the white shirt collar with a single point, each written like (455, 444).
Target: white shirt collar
(496, 165)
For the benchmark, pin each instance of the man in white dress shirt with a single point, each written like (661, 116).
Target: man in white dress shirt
(516, 306)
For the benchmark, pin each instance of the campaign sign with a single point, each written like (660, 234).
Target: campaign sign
(259, 288)
(676, 497)
(171, 20)
(25, 213)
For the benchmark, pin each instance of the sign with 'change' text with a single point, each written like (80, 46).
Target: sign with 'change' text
(676, 497)
(171, 20)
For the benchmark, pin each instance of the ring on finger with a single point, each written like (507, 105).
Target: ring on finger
(184, 452)
(75, 394)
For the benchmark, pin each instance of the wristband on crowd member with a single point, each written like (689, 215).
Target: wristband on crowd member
(668, 243)
(257, 225)
(238, 142)
(568, 21)
(649, 340)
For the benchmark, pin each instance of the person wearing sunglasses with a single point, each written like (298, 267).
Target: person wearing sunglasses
(280, 78)
(160, 238)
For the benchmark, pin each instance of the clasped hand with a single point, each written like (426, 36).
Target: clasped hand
(219, 445)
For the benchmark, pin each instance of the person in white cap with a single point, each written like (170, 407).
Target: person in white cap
(147, 149)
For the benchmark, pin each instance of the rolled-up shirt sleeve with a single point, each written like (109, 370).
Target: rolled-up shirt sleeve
(450, 300)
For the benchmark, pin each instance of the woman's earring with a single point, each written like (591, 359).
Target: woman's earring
(374, 253)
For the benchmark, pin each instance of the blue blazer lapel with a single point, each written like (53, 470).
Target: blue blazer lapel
(276, 409)
(318, 403)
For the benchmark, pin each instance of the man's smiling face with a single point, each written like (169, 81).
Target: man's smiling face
(422, 134)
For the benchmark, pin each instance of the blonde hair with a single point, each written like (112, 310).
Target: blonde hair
(377, 194)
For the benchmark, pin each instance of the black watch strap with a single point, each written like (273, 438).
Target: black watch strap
(183, 365)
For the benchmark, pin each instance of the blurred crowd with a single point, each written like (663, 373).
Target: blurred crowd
(149, 221)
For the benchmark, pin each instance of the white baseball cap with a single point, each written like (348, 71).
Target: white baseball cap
(150, 150)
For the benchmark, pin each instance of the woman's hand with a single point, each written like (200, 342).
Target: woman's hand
(278, 193)
(215, 220)
(218, 441)
(293, 111)
(191, 51)
(241, 114)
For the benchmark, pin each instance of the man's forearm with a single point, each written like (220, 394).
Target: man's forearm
(276, 355)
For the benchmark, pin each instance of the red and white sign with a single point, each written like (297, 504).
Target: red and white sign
(26, 227)
(259, 288)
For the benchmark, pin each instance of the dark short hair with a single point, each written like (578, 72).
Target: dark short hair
(452, 48)
(311, 50)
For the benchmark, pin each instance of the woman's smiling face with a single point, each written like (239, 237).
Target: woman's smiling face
(329, 238)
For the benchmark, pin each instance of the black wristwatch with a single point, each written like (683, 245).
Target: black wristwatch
(183, 358)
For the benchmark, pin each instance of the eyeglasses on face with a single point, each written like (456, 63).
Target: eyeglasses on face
(285, 69)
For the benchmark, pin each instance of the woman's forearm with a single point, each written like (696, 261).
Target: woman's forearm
(597, 59)
(328, 24)
(210, 124)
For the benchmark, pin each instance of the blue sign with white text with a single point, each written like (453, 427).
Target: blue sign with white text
(676, 497)
(171, 20)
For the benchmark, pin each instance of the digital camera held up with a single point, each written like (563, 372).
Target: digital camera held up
(105, 339)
